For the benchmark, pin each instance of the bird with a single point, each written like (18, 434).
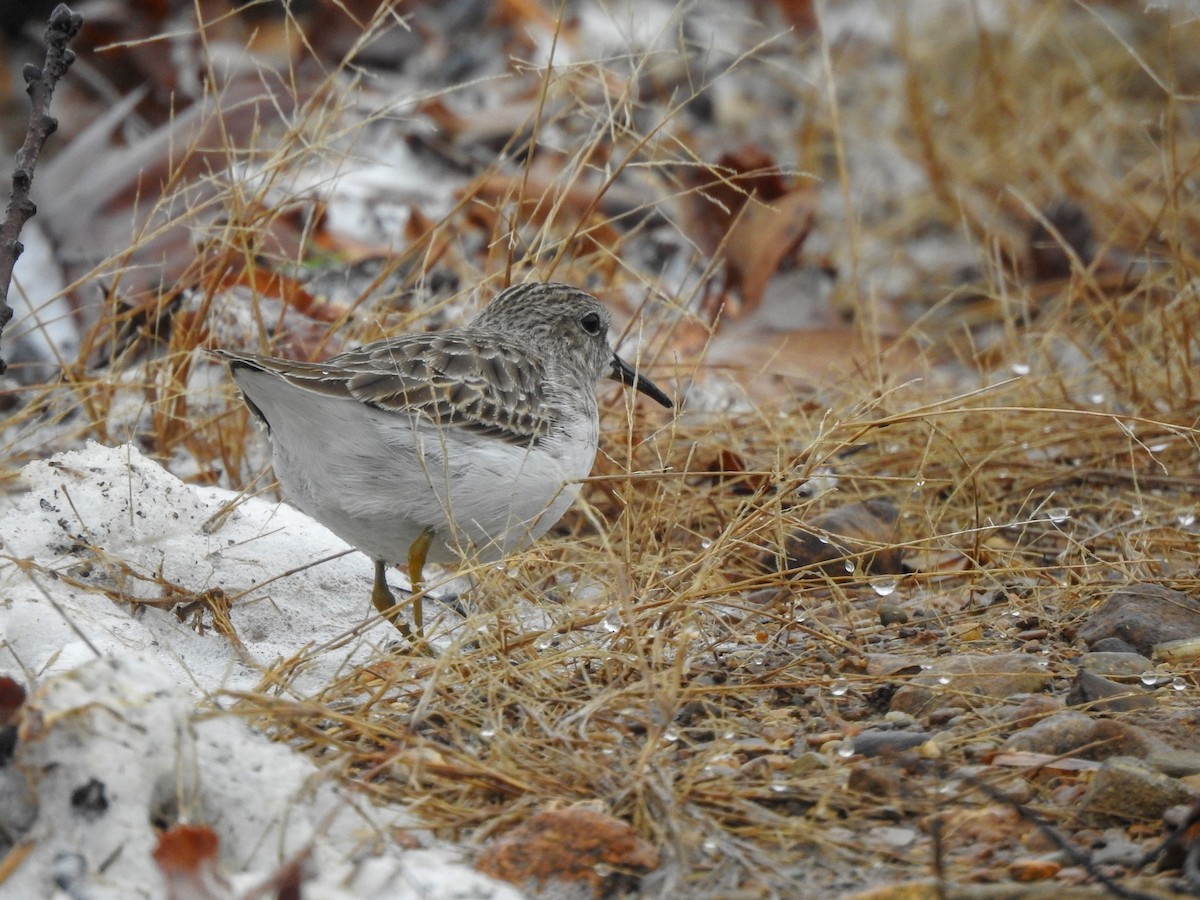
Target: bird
(464, 443)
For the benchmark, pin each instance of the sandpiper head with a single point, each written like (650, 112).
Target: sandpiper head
(565, 323)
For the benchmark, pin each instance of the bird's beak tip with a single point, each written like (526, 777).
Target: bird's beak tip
(629, 376)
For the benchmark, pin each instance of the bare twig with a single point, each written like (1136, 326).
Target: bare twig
(40, 84)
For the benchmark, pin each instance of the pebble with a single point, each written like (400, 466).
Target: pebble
(1128, 788)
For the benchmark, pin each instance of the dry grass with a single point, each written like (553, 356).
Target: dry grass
(674, 682)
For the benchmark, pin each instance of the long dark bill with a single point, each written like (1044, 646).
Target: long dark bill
(628, 376)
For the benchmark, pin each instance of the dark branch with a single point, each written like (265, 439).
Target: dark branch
(39, 84)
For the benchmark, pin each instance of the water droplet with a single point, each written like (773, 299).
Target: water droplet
(1020, 368)
(778, 785)
(487, 732)
(710, 847)
(848, 565)
(1136, 512)
(728, 735)
(671, 734)
(1058, 514)
(705, 544)
(919, 483)
(1097, 398)
(543, 641)
(926, 666)
(884, 587)
(612, 621)
(823, 481)
(943, 679)
(1149, 678)
(1179, 683)
(839, 687)
(845, 749)
(1187, 519)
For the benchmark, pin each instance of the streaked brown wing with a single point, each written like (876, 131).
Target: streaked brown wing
(457, 380)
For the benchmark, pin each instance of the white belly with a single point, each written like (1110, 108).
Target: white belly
(378, 479)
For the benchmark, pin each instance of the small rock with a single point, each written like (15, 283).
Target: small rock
(1176, 763)
(892, 837)
(1143, 615)
(1029, 709)
(807, 762)
(1102, 694)
(1027, 870)
(944, 715)
(971, 679)
(1117, 850)
(1065, 733)
(1113, 645)
(875, 780)
(1115, 665)
(884, 743)
(1179, 728)
(1127, 788)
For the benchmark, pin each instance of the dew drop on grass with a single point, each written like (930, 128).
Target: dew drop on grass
(1020, 368)
(943, 679)
(1058, 514)
(1179, 683)
(1187, 519)
(839, 687)
(671, 734)
(1097, 399)
(487, 732)
(1149, 678)
(845, 749)
(612, 621)
(543, 641)
(884, 587)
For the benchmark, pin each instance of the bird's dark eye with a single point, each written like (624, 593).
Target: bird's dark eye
(592, 323)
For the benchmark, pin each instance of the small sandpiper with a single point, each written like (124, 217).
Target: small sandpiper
(465, 443)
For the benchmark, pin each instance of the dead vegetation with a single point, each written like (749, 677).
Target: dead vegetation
(990, 230)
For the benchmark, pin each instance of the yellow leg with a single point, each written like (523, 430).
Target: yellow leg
(416, 565)
(384, 601)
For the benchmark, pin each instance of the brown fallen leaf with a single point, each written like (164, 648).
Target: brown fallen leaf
(574, 846)
(745, 212)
